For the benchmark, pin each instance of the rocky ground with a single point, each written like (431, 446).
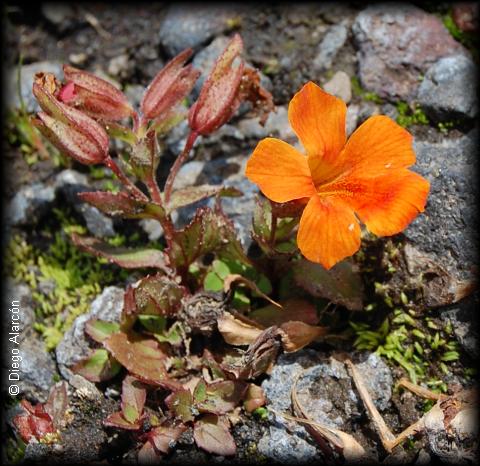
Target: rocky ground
(416, 65)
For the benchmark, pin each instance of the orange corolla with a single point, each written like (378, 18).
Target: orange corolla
(363, 178)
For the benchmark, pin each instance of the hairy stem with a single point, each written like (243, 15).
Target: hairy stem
(178, 163)
(109, 162)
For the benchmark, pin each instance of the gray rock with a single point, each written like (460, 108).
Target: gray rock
(61, 15)
(449, 89)
(120, 67)
(326, 392)
(353, 111)
(26, 82)
(464, 321)
(340, 86)
(18, 296)
(188, 174)
(397, 42)
(448, 229)
(30, 204)
(192, 25)
(331, 44)
(134, 94)
(68, 183)
(74, 345)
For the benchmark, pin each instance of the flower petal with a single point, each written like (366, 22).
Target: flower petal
(329, 231)
(378, 145)
(387, 204)
(318, 119)
(280, 171)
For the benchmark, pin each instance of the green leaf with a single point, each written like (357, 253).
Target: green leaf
(117, 420)
(98, 367)
(219, 397)
(342, 284)
(98, 330)
(212, 282)
(192, 194)
(154, 324)
(181, 404)
(173, 335)
(124, 257)
(134, 396)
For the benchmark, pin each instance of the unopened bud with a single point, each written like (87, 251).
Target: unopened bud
(172, 84)
(218, 98)
(93, 95)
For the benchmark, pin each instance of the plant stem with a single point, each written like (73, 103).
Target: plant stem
(178, 163)
(109, 162)
(273, 228)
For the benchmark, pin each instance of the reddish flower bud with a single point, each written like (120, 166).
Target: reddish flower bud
(218, 98)
(93, 95)
(69, 129)
(169, 86)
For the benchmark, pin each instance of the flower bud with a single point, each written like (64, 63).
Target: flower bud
(69, 129)
(173, 83)
(93, 95)
(218, 98)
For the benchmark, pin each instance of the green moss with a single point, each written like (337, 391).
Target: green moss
(63, 280)
(408, 116)
(358, 91)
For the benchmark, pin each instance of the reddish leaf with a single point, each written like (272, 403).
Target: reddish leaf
(159, 295)
(341, 284)
(191, 194)
(254, 398)
(57, 404)
(124, 257)
(95, 96)
(293, 309)
(121, 205)
(173, 83)
(163, 438)
(129, 311)
(295, 335)
(134, 396)
(98, 330)
(212, 434)
(35, 423)
(219, 397)
(218, 98)
(140, 356)
(97, 367)
(117, 420)
(180, 403)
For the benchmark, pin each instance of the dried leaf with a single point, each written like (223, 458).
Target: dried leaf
(140, 356)
(236, 332)
(192, 194)
(124, 257)
(98, 330)
(295, 335)
(212, 434)
(98, 367)
(235, 278)
(341, 284)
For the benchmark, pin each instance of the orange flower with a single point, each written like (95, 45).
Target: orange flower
(364, 177)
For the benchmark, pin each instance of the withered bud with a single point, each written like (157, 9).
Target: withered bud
(172, 84)
(218, 98)
(94, 96)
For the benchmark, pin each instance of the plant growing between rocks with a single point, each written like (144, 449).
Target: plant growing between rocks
(203, 287)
